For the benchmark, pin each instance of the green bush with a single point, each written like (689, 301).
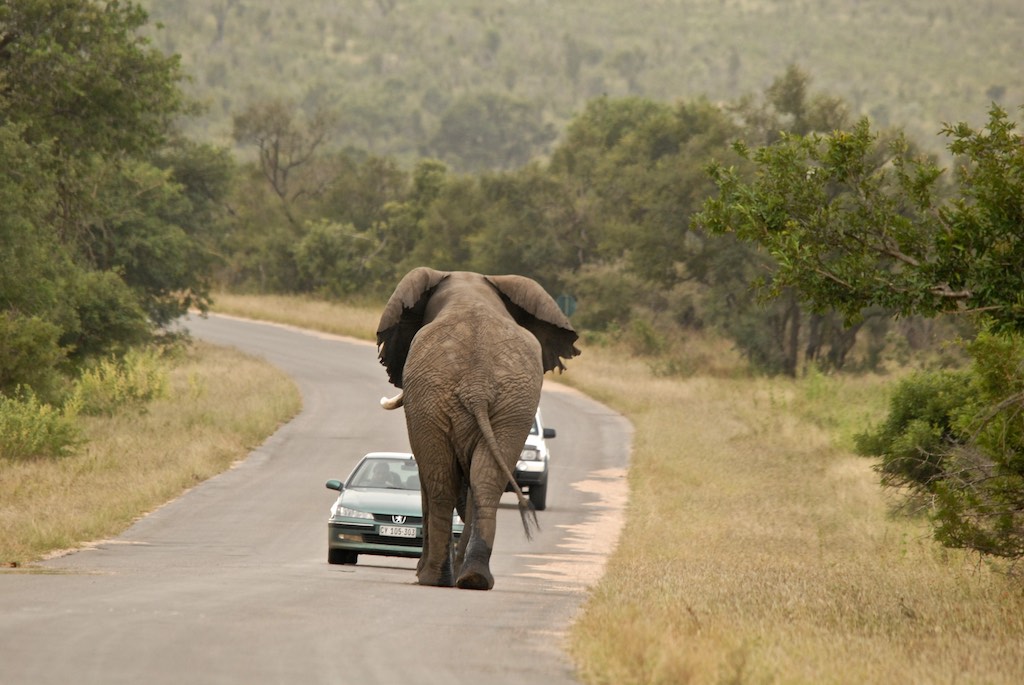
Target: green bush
(331, 258)
(920, 427)
(113, 384)
(109, 318)
(30, 428)
(30, 353)
(606, 295)
(958, 437)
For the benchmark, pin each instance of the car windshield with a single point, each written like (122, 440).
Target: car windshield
(399, 474)
(535, 428)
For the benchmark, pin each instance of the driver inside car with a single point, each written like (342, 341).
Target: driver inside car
(384, 477)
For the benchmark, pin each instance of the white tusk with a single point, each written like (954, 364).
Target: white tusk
(393, 402)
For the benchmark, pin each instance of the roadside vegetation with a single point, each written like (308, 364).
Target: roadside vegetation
(758, 547)
(214, 406)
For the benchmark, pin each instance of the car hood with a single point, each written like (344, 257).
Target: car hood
(383, 501)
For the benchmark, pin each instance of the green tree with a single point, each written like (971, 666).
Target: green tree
(80, 80)
(334, 259)
(772, 333)
(449, 223)
(288, 150)
(636, 167)
(788, 105)
(527, 227)
(854, 222)
(103, 232)
(361, 187)
(490, 132)
(957, 437)
(77, 74)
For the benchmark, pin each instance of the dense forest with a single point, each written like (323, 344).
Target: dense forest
(777, 218)
(485, 85)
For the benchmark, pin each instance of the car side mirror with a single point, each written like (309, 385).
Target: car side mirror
(549, 433)
(335, 485)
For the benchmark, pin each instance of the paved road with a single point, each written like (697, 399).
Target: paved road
(229, 583)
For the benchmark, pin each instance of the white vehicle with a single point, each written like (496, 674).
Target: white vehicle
(532, 469)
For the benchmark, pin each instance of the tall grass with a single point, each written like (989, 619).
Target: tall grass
(353, 320)
(216, 406)
(758, 549)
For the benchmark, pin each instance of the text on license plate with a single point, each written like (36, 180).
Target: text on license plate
(398, 531)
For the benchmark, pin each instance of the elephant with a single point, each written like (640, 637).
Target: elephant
(468, 353)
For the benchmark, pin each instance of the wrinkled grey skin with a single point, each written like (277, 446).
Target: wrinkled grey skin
(469, 353)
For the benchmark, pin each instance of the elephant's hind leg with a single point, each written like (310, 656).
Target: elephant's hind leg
(466, 512)
(475, 571)
(434, 566)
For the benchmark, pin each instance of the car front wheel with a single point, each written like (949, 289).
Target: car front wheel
(341, 556)
(539, 496)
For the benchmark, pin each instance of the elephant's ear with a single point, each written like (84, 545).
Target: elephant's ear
(403, 317)
(535, 310)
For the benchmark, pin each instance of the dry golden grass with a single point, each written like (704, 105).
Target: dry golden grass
(357, 321)
(220, 405)
(758, 549)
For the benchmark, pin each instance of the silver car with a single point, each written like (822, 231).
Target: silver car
(378, 510)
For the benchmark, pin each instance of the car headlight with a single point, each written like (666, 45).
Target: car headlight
(530, 454)
(345, 512)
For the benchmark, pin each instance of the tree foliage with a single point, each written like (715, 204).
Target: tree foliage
(957, 437)
(392, 74)
(107, 215)
(616, 198)
(490, 131)
(853, 221)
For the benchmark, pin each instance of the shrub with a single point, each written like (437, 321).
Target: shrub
(30, 428)
(113, 384)
(958, 437)
(606, 295)
(30, 353)
(919, 428)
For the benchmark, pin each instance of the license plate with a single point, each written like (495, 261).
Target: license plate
(398, 531)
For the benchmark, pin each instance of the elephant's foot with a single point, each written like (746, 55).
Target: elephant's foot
(476, 572)
(438, 582)
(442, 577)
(477, 579)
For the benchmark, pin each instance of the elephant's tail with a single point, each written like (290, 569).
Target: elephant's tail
(527, 511)
(393, 402)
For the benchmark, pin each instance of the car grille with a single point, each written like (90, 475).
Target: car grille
(409, 520)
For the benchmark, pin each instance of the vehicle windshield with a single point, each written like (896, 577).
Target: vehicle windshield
(535, 428)
(398, 474)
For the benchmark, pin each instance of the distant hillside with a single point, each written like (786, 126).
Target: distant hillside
(406, 76)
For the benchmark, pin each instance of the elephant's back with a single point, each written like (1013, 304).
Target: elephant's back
(475, 354)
